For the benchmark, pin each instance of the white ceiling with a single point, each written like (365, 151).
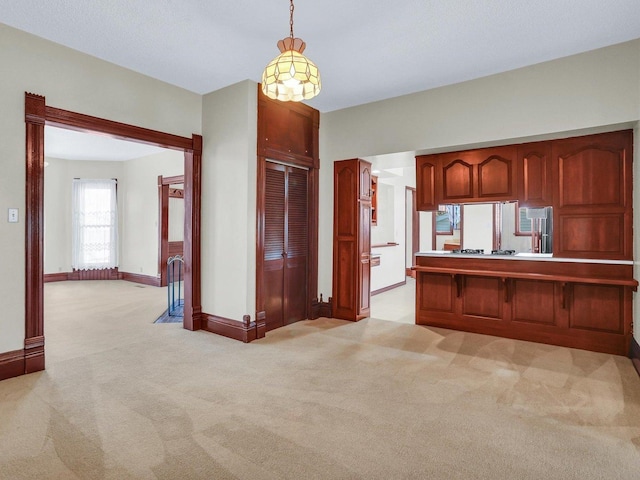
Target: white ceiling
(366, 50)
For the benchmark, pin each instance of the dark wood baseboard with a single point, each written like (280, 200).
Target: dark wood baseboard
(246, 331)
(11, 364)
(143, 279)
(634, 354)
(320, 308)
(410, 272)
(55, 277)
(390, 287)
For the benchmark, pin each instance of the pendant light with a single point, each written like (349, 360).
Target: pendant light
(291, 77)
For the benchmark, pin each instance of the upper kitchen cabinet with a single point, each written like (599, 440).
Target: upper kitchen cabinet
(426, 198)
(288, 131)
(484, 175)
(593, 196)
(535, 174)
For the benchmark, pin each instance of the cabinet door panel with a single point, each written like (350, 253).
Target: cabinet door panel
(597, 307)
(345, 278)
(494, 177)
(535, 177)
(591, 176)
(457, 181)
(426, 166)
(483, 297)
(346, 184)
(586, 234)
(436, 293)
(300, 133)
(365, 181)
(533, 302)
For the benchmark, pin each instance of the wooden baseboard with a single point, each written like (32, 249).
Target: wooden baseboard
(320, 308)
(410, 273)
(390, 287)
(55, 277)
(143, 279)
(634, 354)
(11, 364)
(245, 331)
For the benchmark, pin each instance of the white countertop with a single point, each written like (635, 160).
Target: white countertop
(538, 257)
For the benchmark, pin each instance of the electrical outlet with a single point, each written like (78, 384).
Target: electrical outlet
(13, 215)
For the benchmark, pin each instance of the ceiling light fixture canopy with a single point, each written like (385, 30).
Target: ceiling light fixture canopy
(291, 77)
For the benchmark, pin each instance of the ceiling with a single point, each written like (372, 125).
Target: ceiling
(366, 50)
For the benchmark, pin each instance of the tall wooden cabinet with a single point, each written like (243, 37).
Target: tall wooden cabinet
(352, 239)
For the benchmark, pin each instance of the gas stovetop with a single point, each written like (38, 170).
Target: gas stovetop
(480, 251)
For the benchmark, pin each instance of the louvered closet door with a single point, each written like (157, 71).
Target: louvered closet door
(285, 245)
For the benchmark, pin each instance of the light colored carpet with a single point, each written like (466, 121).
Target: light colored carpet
(123, 398)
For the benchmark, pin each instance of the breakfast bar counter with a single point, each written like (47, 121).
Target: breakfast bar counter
(580, 303)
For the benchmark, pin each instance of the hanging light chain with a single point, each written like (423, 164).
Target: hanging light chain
(291, 8)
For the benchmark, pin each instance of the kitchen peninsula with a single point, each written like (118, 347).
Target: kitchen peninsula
(577, 303)
(581, 296)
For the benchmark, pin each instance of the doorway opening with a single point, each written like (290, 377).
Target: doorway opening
(37, 115)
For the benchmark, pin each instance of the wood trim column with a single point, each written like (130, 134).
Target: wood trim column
(192, 206)
(163, 229)
(34, 236)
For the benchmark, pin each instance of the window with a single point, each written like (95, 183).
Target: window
(523, 224)
(447, 219)
(94, 224)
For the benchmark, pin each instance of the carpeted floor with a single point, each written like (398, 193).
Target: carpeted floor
(123, 398)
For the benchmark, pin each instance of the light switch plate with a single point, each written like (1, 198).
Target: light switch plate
(13, 215)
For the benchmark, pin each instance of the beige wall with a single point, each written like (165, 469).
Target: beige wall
(78, 82)
(139, 234)
(594, 91)
(229, 169)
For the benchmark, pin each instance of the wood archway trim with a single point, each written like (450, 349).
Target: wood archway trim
(37, 115)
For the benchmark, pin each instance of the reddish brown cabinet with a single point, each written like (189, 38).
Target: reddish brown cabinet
(288, 131)
(426, 197)
(352, 239)
(483, 175)
(593, 196)
(535, 175)
(581, 305)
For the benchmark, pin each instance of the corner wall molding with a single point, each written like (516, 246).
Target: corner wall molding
(634, 354)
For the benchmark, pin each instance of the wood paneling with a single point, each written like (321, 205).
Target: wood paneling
(634, 354)
(533, 302)
(596, 307)
(436, 293)
(482, 297)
